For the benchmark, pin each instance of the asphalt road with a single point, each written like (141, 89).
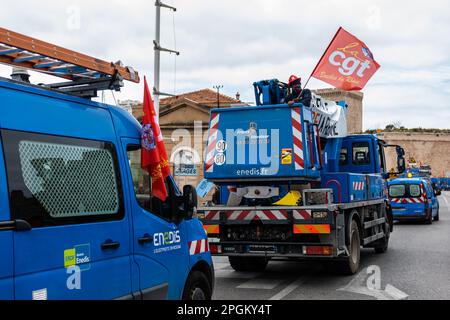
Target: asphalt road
(416, 267)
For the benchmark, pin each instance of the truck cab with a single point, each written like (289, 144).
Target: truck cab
(413, 199)
(77, 220)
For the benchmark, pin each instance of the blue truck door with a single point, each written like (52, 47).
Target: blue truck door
(6, 240)
(160, 246)
(70, 192)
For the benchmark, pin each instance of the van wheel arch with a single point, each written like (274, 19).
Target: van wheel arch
(204, 268)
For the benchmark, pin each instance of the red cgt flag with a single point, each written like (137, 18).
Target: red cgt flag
(154, 155)
(347, 64)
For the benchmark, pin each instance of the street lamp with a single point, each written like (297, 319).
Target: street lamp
(218, 87)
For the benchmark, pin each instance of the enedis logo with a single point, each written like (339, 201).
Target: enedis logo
(79, 255)
(167, 238)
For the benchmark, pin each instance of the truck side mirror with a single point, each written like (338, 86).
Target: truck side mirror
(401, 164)
(190, 201)
(400, 151)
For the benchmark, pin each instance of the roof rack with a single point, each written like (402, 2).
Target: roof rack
(87, 74)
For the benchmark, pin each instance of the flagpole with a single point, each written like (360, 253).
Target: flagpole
(323, 55)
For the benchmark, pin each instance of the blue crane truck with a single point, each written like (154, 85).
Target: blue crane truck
(293, 184)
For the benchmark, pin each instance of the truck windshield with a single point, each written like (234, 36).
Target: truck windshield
(404, 191)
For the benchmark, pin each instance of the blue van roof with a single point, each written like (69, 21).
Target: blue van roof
(406, 181)
(23, 103)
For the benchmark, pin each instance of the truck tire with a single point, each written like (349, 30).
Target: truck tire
(350, 265)
(248, 263)
(383, 245)
(197, 287)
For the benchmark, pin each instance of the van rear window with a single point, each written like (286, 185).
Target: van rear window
(58, 180)
(405, 191)
(414, 190)
(397, 191)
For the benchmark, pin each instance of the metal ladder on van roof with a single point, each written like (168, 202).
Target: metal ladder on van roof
(87, 75)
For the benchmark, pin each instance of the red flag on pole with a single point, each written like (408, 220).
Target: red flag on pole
(347, 64)
(153, 155)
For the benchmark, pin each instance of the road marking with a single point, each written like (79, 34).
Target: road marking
(359, 286)
(221, 265)
(231, 274)
(395, 293)
(446, 202)
(261, 284)
(289, 289)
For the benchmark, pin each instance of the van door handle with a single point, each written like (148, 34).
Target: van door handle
(145, 239)
(110, 245)
(16, 225)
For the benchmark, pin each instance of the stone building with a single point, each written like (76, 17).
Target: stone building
(184, 122)
(354, 100)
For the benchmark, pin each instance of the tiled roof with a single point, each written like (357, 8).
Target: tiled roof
(204, 96)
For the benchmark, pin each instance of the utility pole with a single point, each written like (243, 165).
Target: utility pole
(218, 87)
(158, 49)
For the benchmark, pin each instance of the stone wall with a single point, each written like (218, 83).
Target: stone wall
(425, 148)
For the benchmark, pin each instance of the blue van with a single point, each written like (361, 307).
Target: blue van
(76, 218)
(413, 199)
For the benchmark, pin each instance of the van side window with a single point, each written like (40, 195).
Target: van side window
(56, 180)
(361, 153)
(143, 187)
(343, 159)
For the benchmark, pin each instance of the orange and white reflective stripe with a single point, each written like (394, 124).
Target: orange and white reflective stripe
(248, 215)
(359, 186)
(212, 140)
(198, 247)
(312, 229)
(212, 229)
(212, 215)
(302, 214)
(298, 139)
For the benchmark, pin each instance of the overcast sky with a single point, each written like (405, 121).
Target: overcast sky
(235, 43)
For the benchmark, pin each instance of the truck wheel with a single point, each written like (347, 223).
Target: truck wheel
(383, 245)
(248, 263)
(350, 265)
(197, 287)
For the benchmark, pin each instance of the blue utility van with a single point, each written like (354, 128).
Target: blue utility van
(414, 199)
(76, 217)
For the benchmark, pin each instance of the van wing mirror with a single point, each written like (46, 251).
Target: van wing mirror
(400, 151)
(190, 201)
